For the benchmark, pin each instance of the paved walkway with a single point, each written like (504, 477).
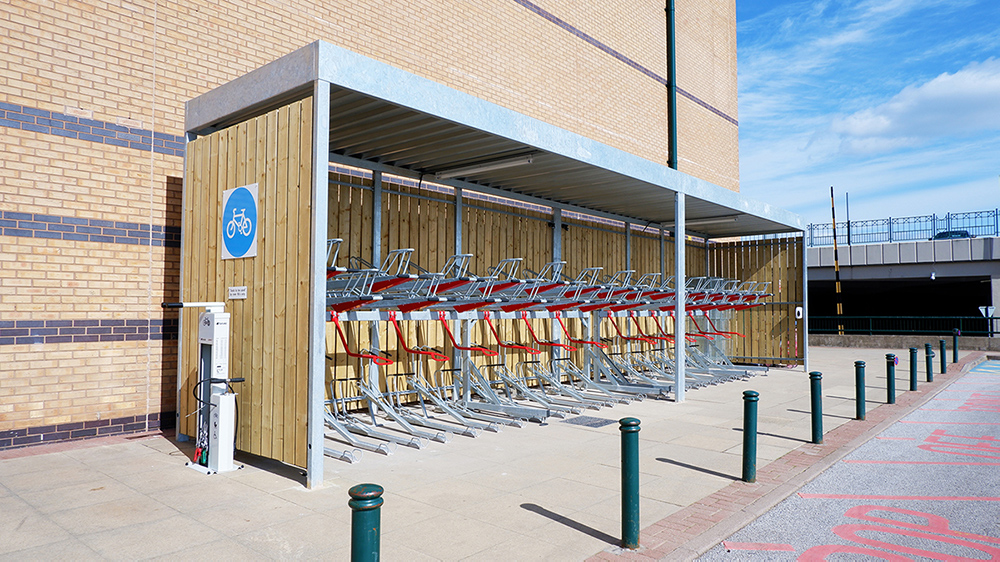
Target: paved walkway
(542, 492)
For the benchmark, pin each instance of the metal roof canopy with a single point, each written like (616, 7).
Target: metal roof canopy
(386, 119)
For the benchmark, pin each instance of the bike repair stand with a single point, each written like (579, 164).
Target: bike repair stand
(217, 404)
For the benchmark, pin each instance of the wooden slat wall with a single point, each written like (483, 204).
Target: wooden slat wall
(269, 329)
(772, 334)
(590, 244)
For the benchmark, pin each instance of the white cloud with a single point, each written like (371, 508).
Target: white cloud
(952, 104)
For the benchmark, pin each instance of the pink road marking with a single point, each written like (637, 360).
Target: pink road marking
(757, 546)
(925, 462)
(897, 438)
(918, 498)
(949, 423)
(938, 410)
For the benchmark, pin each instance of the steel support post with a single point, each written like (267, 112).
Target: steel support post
(377, 218)
(373, 376)
(316, 381)
(859, 390)
(557, 234)
(750, 398)
(805, 308)
(816, 399)
(680, 278)
(366, 503)
(458, 220)
(629, 428)
(628, 245)
(466, 356)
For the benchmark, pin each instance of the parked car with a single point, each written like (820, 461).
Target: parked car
(953, 234)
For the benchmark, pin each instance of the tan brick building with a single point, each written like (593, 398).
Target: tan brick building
(91, 143)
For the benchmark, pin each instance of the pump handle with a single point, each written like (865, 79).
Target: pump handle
(172, 305)
(216, 381)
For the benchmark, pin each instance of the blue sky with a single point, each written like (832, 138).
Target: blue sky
(896, 102)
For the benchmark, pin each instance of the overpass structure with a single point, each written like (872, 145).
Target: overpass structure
(917, 278)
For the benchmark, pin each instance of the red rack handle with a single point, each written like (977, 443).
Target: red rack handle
(531, 350)
(574, 340)
(343, 339)
(402, 342)
(701, 333)
(623, 336)
(645, 335)
(716, 330)
(447, 329)
(524, 316)
(656, 320)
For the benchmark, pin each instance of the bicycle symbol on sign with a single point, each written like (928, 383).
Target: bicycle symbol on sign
(240, 222)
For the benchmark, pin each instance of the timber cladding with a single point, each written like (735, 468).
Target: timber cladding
(772, 335)
(269, 329)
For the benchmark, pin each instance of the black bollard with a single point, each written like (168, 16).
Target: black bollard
(944, 358)
(816, 398)
(890, 378)
(928, 356)
(859, 390)
(954, 345)
(366, 502)
(750, 398)
(913, 368)
(630, 482)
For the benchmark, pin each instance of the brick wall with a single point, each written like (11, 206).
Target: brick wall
(91, 147)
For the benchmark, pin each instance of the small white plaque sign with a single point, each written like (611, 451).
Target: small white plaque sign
(237, 292)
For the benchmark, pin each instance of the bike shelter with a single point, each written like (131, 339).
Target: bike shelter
(324, 147)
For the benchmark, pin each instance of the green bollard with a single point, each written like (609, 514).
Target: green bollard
(928, 357)
(630, 482)
(750, 398)
(816, 396)
(913, 368)
(944, 357)
(859, 390)
(954, 345)
(366, 501)
(890, 378)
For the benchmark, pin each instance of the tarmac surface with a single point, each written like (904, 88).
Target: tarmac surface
(925, 488)
(541, 492)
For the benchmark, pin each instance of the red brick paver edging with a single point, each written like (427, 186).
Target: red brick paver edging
(697, 528)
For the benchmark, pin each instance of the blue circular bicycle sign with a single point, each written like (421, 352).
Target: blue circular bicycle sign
(239, 222)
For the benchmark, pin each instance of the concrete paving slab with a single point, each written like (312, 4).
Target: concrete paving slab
(224, 550)
(67, 549)
(291, 539)
(147, 539)
(23, 527)
(60, 498)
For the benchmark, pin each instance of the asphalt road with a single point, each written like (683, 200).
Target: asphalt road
(927, 488)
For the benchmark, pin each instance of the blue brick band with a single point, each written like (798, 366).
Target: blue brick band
(41, 435)
(88, 230)
(21, 332)
(41, 121)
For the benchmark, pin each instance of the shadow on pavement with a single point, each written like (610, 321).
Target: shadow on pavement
(599, 535)
(825, 415)
(698, 468)
(796, 439)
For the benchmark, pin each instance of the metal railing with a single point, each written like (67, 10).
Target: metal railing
(904, 325)
(903, 229)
